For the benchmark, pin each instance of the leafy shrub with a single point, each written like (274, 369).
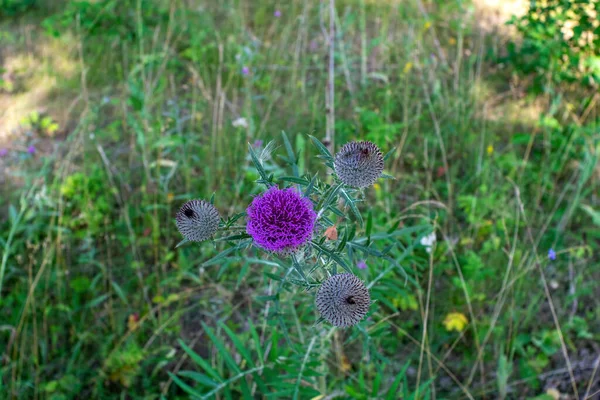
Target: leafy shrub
(10, 8)
(560, 44)
(109, 18)
(87, 203)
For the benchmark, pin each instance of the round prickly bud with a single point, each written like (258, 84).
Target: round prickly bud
(343, 300)
(197, 220)
(359, 164)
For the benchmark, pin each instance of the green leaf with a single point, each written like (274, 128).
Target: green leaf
(12, 214)
(198, 377)
(344, 240)
(223, 352)
(226, 252)
(184, 241)
(389, 154)
(332, 256)
(290, 152)
(186, 388)
(502, 375)
(258, 165)
(595, 215)
(369, 226)
(233, 237)
(200, 361)
(392, 393)
(329, 196)
(351, 203)
(80, 284)
(310, 186)
(322, 149)
(242, 349)
(97, 301)
(119, 292)
(294, 179)
(298, 267)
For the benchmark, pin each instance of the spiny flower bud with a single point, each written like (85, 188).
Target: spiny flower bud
(359, 164)
(197, 220)
(343, 300)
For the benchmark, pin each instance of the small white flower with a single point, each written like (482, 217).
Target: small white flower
(428, 241)
(240, 122)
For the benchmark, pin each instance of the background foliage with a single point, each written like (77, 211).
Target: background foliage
(116, 112)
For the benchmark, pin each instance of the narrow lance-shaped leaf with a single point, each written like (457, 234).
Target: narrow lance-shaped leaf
(259, 167)
(323, 150)
(291, 155)
(332, 256)
(369, 227)
(352, 204)
(389, 154)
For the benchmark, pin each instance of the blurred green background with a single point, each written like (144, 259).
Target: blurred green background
(115, 112)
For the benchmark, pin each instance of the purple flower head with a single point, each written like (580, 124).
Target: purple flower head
(245, 70)
(361, 264)
(551, 255)
(277, 13)
(281, 220)
(31, 149)
(257, 143)
(3, 152)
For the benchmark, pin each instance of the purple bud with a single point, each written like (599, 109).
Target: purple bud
(3, 152)
(31, 149)
(277, 13)
(257, 143)
(245, 70)
(551, 255)
(361, 264)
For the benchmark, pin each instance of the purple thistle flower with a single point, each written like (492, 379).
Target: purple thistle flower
(361, 264)
(245, 70)
(551, 255)
(281, 220)
(3, 152)
(277, 13)
(31, 149)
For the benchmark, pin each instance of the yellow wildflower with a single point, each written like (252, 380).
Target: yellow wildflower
(407, 67)
(490, 150)
(345, 365)
(455, 321)
(427, 25)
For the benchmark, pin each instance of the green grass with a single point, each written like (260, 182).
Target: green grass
(96, 300)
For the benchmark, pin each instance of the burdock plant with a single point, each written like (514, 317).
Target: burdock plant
(287, 222)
